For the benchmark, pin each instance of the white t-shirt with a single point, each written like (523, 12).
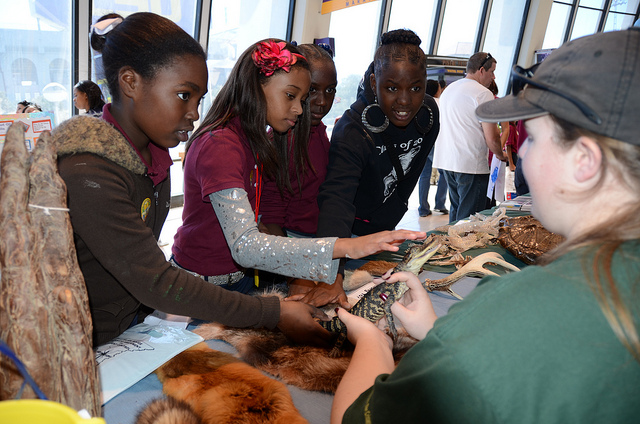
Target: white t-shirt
(461, 146)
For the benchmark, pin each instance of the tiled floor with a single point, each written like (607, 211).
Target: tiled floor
(410, 221)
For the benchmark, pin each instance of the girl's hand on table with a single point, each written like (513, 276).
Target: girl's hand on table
(358, 247)
(415, 310)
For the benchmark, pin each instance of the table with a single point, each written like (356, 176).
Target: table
(314, 406)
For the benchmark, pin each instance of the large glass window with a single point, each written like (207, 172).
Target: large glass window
(622, 14)
(355, 30)
(416, 16)
(235, 25)
(586, 23)
(459, 28)
(35, 55)
(502, 36)
(588, 19)
(557, 25)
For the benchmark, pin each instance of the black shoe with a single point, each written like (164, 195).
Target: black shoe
(422, 215)
(443, 211)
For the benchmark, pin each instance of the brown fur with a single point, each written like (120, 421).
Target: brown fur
(222, 389)
(167, 411)
(307, 367)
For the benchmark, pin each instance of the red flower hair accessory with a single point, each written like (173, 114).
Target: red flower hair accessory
(270, 56)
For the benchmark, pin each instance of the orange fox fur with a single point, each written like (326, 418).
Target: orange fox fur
(307, 367)
(220, 388)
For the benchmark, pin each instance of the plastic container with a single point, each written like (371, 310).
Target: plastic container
(37, 411)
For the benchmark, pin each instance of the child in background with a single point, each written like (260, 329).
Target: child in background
(27, 107)
(87, 96)
(295, 213)
(116, 170)
(555, 342)
(226, 162)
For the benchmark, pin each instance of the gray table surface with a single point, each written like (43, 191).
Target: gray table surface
(314, 406)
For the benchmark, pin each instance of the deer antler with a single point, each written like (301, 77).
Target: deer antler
(475, 268)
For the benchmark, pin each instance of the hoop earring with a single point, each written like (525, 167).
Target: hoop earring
(370, 127)
(429, 125)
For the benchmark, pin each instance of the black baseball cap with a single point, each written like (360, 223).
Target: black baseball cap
(592, 82)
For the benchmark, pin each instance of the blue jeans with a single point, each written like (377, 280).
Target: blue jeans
(467, 192)
(423, 186)
(441, 192)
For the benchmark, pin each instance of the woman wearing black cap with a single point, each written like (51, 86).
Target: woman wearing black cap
(555, 342)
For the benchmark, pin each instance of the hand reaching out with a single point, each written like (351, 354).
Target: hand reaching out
(321, 294)
(358, 247)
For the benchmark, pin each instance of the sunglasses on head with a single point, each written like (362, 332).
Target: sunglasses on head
(486, 59)
(522, 77)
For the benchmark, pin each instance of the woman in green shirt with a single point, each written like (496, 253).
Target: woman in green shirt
(555, 342)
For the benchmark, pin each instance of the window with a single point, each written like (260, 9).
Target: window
(502, 36)
(356, 34)
(416, 16)
(587, 22)
(459, 28)
(36, 53)
(557, 26)
(622, 14)
(585, 17)
(235, 25)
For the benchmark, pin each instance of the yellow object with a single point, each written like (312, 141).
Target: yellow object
(35, 411)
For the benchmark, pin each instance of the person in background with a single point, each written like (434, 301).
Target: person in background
(464, 143)
(227, 160)
(116, 170)
(378, 149)
(505, 130)
(518, 178)
(27, 107)
(295, 213)
(434, 89)
(87, 96)
(558, 341)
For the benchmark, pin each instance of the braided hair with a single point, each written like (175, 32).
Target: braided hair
(396, 46)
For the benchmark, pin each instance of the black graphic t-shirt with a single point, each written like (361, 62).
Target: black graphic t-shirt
(364, 192)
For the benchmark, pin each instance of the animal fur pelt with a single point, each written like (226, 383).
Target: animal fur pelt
(168, 411)
(220, 388)
(307, 367)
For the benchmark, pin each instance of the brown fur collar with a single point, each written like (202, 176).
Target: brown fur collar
(87, 134)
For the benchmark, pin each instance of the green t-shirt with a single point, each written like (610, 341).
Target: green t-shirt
(529, 347)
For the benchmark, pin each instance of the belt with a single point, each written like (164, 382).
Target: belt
(218, 280)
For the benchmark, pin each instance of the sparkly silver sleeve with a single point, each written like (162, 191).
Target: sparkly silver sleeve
(295, 257)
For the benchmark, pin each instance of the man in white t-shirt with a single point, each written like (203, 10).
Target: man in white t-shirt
(463, 142)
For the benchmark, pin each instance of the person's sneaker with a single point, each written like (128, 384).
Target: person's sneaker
(422, 215)
(443, 211)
